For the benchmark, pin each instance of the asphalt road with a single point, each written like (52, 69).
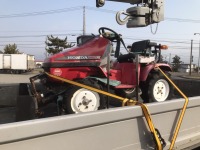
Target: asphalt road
(6, 78)
(188, 84)
(17, 78)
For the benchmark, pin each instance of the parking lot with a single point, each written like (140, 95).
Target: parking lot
(17, 78)
(9, 84)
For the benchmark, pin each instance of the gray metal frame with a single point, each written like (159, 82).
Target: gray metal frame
(114, 129)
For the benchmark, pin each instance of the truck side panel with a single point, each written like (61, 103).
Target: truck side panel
(19, 61)
(1, 61)
(30, 62)
(116, 128)
(7, 61)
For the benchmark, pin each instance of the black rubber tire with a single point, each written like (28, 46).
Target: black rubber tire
(127, 93)
(148, 86)
(70, 92)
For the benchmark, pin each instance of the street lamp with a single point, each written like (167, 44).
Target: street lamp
(199, 52)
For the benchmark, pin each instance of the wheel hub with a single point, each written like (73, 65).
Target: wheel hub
(161, 90)
(85, 100)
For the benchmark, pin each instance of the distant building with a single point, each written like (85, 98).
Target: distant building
(186, 68)
(38, 63)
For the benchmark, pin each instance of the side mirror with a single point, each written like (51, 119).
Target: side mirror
(100, 3)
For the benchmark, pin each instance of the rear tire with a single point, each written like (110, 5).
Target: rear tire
(77, 99)
(127, 93)
(157, 89)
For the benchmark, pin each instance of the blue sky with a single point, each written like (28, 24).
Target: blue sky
(29, 33)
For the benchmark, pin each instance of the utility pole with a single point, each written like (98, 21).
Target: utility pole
(170, 58)
(199, 53)
(46, 40)
(191, 58)
(198, 59)
(83, 20)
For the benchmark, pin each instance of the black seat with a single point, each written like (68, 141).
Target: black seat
(126, 58)
(140, 48)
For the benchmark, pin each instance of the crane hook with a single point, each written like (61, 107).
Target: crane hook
(123, 21)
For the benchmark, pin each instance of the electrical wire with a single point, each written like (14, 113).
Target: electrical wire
(43, 35)
(28, 14)
(25, 44)
(39, 31)
(41, 12)
(182, 20)
(166, 18)
(167, 41)
(101, 10)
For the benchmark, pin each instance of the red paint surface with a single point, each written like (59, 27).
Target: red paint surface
(95, 47)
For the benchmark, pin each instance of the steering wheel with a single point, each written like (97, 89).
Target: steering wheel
(114, 36)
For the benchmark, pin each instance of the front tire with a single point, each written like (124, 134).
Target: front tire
(158, 89)
(78, 100)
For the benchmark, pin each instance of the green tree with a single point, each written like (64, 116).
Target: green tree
(176, 63)
(56, 45)
(11, 49)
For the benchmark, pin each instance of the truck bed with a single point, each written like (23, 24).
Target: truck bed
(116, 128)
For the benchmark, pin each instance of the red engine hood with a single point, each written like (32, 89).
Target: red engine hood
(92, 51)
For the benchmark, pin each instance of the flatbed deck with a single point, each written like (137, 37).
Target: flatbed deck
(116, 128)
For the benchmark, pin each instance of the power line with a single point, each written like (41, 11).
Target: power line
(75, 34)
(166, 18)
(21, 41)
(176, 41)
(40, 31)
(41, 12)
(27, 14)
(23, 44)
(43, 35)
(29, 41)
(167, 41)
(32, 47)
(28, 47)
(101, 10)
(182, 20)
(185, 48)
